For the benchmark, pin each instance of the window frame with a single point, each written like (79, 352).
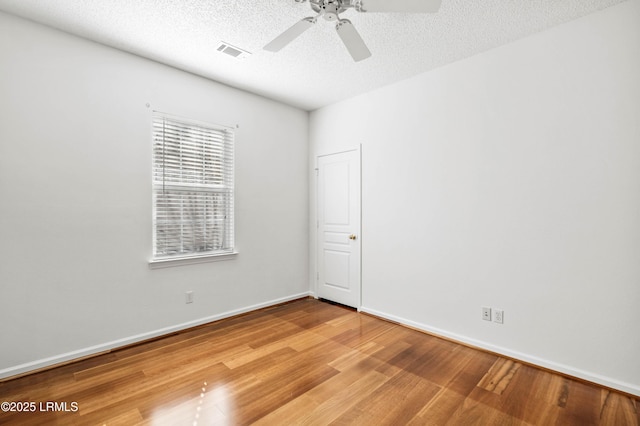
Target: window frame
(168, 185)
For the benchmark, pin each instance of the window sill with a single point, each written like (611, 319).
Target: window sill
(190, 260)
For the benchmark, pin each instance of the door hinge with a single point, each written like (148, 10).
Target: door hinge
(317, 171)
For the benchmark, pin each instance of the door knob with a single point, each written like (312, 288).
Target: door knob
(352, 237)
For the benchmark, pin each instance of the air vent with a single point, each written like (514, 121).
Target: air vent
(234, 51)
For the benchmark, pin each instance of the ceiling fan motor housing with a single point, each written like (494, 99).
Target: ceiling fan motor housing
(329, 9)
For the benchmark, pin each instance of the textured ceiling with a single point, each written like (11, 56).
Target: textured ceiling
(315, 70)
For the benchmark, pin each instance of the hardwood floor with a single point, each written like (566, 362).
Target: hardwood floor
(308, 362)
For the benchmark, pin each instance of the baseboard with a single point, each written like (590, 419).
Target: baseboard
(628, 388)
(33, 366)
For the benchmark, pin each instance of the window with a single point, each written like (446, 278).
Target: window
(192, 188)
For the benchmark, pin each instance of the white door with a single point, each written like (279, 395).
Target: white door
(339, 228)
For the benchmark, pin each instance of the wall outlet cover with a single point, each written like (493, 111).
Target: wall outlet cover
(486, 313)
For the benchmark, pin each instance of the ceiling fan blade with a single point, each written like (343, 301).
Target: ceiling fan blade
(408, 6)
(289, 35)
(352, 40)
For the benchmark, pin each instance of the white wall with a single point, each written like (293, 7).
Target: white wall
(510, 180)
(75, 199)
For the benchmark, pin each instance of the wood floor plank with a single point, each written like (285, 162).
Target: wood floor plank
(439, 409)
(280, 390)
(309, 362)
(473, 412)
(321, 411)
(499, 375)
(471, 369)
(512, 389)
(618, 410)
(395, 402)
(355, 356)
(128, 418)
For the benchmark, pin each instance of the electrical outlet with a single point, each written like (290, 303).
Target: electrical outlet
(189, 297)
(498, 316)
(486, 313)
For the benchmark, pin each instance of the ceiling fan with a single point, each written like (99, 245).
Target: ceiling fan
(329, 10)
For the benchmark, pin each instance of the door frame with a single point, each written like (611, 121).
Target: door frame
(316, 242)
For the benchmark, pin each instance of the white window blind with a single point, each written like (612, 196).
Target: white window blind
(192, 188)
